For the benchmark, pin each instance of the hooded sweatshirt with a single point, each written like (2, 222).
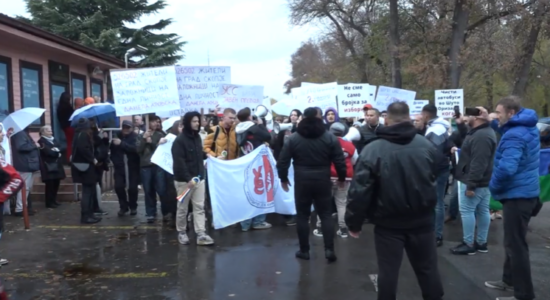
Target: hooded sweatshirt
(250, 136)
(398, 158)
(187, 152)
(336, 119)
(437, 132)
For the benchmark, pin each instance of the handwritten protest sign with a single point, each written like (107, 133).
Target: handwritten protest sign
(352, 97)
(198, 88)
(446, 100)
(163, 154)
(416, 107)
(240, 96)
(142, 91)
(316, 95)
(388, 95)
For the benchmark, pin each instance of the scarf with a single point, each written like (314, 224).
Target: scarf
(49, 139)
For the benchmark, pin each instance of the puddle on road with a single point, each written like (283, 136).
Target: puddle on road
(128, 235)
(81, 269)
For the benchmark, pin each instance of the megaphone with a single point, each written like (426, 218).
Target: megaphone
(281, 127)
(353, 135)
(261, 111)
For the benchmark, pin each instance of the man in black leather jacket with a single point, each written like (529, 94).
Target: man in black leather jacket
(394, 186)
(313, 150)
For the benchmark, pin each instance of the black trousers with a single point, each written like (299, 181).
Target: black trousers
(517, 266)
(52, 187)
(421, 250)
(87, 201)
(170, 204)
(317, 193)
(126, 199)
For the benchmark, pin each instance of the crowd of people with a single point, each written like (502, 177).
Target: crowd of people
(389, 169)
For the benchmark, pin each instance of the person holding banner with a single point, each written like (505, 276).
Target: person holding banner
(394, 186)
(251, 135)
(313, 150)
(473, 170)
(188, 155)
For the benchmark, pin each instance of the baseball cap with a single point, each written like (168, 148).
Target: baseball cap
(127, 123)
(337, 129)
(367, 106)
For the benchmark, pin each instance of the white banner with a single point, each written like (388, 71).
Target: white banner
(388, 95)
(246, 187)
(142, 91)
(163, 154)
(198, 88)
(416, 107)
(316, 95)
(446, 100)
(352, 97)
(240, 96)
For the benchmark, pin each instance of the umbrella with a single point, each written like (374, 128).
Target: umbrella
(91, 111)
(21, 119)
(167, 124)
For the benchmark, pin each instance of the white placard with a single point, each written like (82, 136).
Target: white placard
(240, 96)
(316, 95)
(198, 88)
(163, 154)
(416, 107)
(352, 97)
(388, 95)
(142, 91)
(446, 100)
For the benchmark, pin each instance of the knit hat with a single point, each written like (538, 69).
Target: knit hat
(338, 129)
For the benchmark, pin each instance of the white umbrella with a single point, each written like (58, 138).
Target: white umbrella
(21, 119)
(167, 124)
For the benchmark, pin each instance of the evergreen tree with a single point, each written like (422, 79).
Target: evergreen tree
(102, 24)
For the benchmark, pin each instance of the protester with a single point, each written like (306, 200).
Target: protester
(456, 138)
(78, 103)
(26, 160)
(139, 126)
(51, 165)
(340, 194)
(251, 135)
(473, 170)
(331, 116)
(169, 210)
(369, 129)
(223, 138)
(101, 154)
(152, 176)
(397, 193)
(64, 112)
(188, 155)
(126, 168)
(515, 183)
(437, 133)
(312, 151)
(83, 171)
(419, 124)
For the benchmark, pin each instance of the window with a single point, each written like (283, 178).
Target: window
(78, 86)
(6, 96)
(32, 94)
(96, 86)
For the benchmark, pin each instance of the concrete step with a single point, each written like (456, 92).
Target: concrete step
(63, 187)
(61, 197)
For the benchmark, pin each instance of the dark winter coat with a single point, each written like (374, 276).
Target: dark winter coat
(26, 155)
(83, 152)
(52, 158)
(187, 152)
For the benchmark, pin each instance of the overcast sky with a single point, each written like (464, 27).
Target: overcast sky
(253, 37)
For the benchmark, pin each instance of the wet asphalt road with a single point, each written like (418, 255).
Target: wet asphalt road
(124, 258)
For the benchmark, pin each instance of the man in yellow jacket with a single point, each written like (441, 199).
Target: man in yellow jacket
(223, 139)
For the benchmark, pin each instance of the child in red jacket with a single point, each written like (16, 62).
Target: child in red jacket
(341, 195)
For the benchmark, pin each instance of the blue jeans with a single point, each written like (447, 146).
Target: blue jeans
(257, 220)
(153, 180)
(453, 200)
(472, 208)
(440, 184)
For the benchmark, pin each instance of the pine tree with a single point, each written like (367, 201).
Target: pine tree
(102, 25)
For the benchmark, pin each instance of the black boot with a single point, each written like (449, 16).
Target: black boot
(302, 254)
(89, 219)
(330, 256)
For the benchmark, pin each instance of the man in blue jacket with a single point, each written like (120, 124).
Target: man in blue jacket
(515, 183)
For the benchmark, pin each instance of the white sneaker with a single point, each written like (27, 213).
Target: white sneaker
(493, 216)
(263, 225)
(498, 216)
(204, 240)
(183, 238)
(3, 261)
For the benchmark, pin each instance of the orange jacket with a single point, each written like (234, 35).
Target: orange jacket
(222, 142)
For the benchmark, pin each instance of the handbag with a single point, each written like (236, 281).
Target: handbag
(82, 167)
(52, 167)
